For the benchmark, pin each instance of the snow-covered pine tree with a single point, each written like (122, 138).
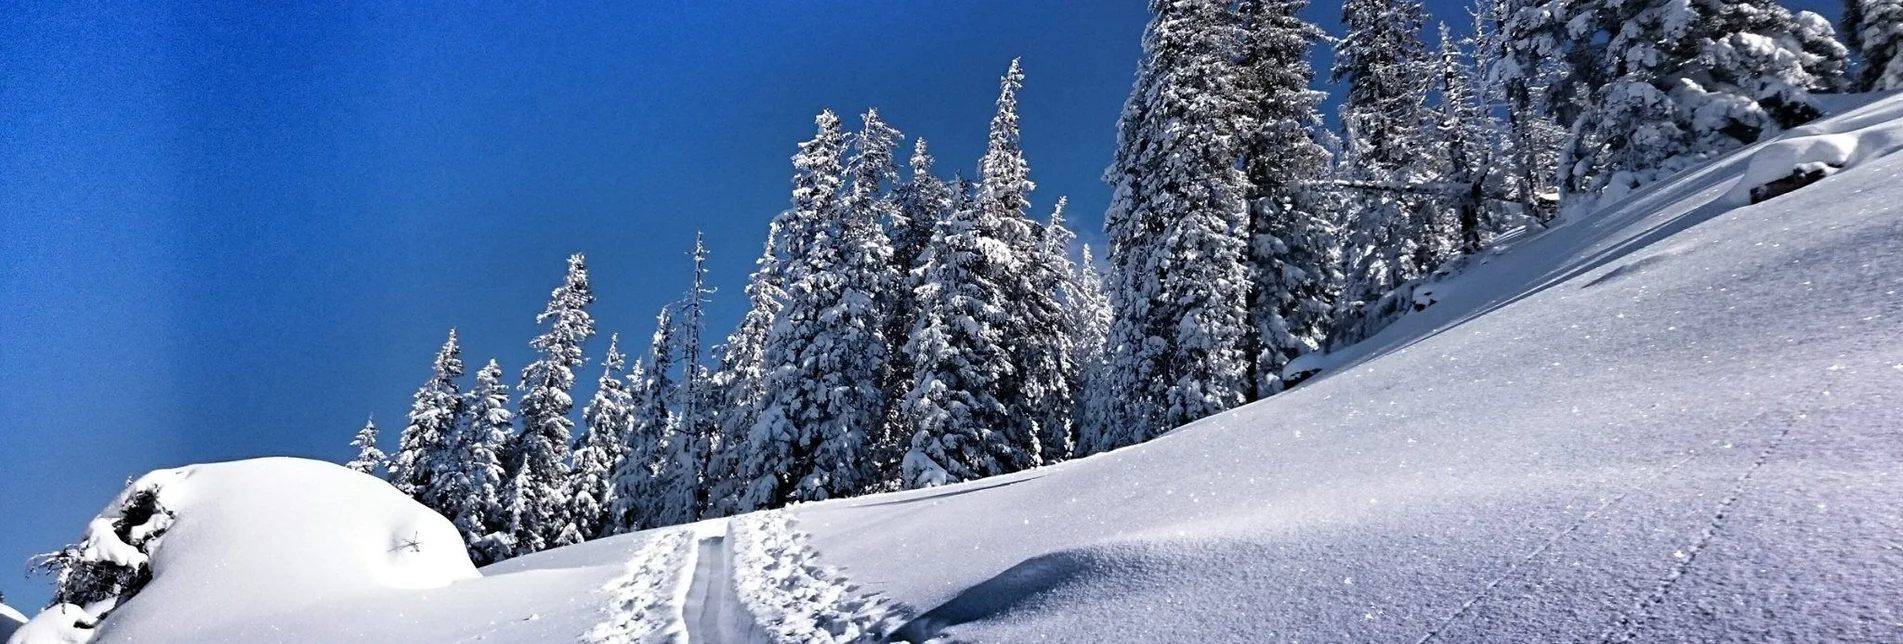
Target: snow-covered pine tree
(1875, 29)
(647, 488)
(737, 380)
(422, 458)
(955, 408)
(1179, 277)
(1526, 66)
(919, 205)
(823, 404)
(1294, 249)
(1465, 138)
(1059, 376)
(1038, 398)
(536, 494)
(784, 435)
(1689, 79)
(368, 458)
(1087, 311)
(698, 430)
(1384, 115)
(475, 486)
(606, 419)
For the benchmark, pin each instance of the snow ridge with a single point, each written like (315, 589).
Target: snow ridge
(645, 604)
(796, 599)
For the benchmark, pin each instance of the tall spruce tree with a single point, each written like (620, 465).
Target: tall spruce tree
(920, 204)
(955, 408)
(647, 481)
(422, 455)
(1038, 397)
(699, 430)
(536, 492)
(1087, 309)
(1052, 284)
(476, 486)
(739, 379)
(1294, 246)
(1386, 71)
(823, 401)
(368, 458)
(1177, 226)
(599, 451)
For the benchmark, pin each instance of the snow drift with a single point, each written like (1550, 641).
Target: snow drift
(1676, 418)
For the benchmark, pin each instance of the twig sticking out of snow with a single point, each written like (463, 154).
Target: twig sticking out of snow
(796, 599)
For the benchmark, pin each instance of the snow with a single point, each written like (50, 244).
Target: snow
(1855, 139)
(10, 620)
(1674, 418)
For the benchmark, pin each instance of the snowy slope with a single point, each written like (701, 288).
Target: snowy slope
(1674, 418)
(1677, 418)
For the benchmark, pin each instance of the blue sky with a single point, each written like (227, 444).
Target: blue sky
(231, 230)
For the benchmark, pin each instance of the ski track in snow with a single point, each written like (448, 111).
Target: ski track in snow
(749, 580)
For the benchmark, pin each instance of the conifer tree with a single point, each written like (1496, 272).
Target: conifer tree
(422, 456)
(1087, 310)
(1056, 370)
(823, 400)
(961, 367)
(475, 490)
(738, 381)
(537, 490)
(1176, 225)
(919, 205)
(1683, 80)
(646, 483)
(698, 432)
(1294, 248)
(368, 458)
(1039, 398)
(1874, 28)
(606, 420)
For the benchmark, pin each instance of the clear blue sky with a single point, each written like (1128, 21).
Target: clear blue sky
(230, 230)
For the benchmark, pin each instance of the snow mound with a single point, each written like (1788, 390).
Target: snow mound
(61, 624)
(268, 535)
(1807, 154)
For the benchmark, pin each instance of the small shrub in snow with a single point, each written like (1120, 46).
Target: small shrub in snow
(112, 562)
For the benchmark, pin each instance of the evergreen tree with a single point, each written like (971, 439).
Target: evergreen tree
(1384, 115)
(955, 407)
(422, 456)
(1038, 397)
(1087, 310)
(1686, 79)
(646, 484)
(369, 458)
(920, 204)
(699, 430)
(475, 491)
(738, 381)
(1294, 249)
(1464, 138)
(1052, 285)
(1875, 29)
(536, 492)
(823, 400)
(1176, 225)
(606, 420)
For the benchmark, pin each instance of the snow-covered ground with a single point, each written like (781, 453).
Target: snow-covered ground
(1676, 418)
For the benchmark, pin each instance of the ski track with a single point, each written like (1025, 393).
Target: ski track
(749, 580)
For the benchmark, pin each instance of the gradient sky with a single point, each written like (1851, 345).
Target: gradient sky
(231, 230)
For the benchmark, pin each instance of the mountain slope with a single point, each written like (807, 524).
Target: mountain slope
(1676, 418)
